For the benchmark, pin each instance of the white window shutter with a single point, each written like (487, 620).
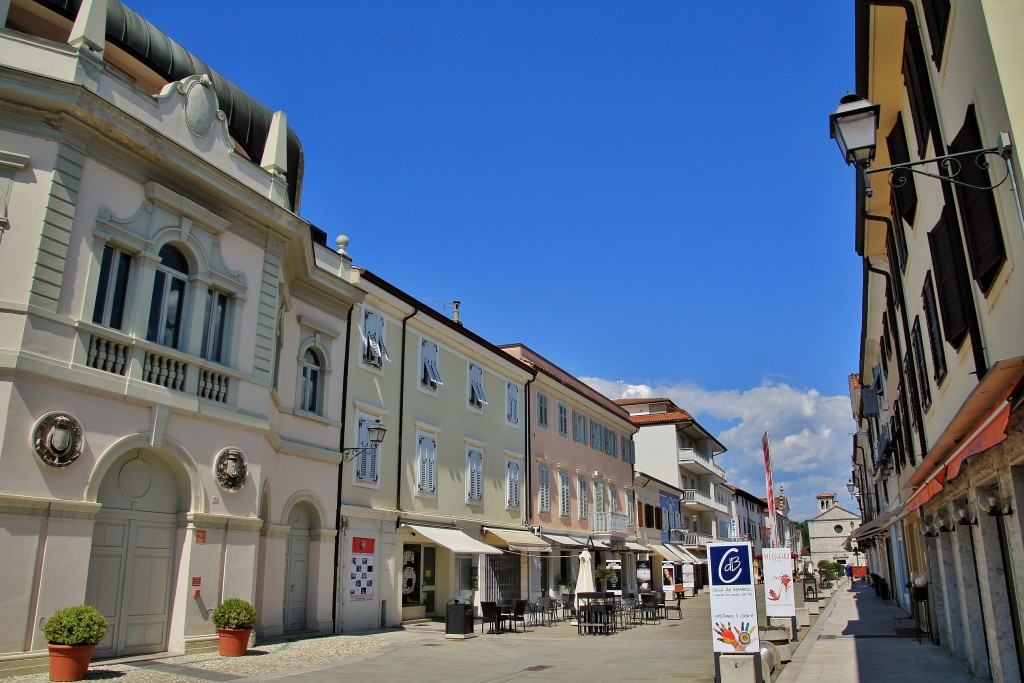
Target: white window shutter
(431, 465)
(421, 447)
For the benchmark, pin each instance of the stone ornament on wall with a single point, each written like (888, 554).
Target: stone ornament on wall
(58, 439)
(231, 469)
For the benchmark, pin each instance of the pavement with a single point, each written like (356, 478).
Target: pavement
(860, 637)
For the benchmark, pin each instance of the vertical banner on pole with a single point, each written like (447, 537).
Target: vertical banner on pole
(733, 605)
(779, 600)
(771, 490)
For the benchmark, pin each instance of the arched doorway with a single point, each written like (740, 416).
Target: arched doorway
(301, 519)
(134, 545)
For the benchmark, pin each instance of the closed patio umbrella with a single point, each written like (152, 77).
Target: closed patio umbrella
(585, 580)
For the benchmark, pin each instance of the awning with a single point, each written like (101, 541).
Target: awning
(689, 557)
(566, 541)
(699, 553)
(518, 540)
(879, 523)
(989, 430)
(666, 552)
(636, 547)
(973, 429)
(455, 540)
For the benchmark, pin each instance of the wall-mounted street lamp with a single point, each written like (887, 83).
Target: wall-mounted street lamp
(376, 432)
(854, 127)
(993, 504)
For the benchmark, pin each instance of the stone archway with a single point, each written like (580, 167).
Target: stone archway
(134, 548)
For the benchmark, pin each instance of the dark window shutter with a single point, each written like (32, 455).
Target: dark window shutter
(915, 77)
(904, 193)
(886, 344)
(936, 17)
(978, 208)
(920, 365)
(951, 297)
(931, 317)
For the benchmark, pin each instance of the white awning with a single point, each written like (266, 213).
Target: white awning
(455, 540)
(637, 547)
(520, 540)
(665, 552)
(690, 557)
(566, 541)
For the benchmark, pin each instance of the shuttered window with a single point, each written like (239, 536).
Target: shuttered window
(583, 494)
(944, 243)
(367, 464)
(931, 318)
(936, 18)
(919, 92)
(564, 494)
(512, 483)
(598, 497)
(982, 231)
(512, 403)
(613, 499)
(904, 192)
(426, 464)
(542, 411)
(474, 475)
(477, 398)
(543, 488)
(430, 373)
(375, 351)
(563, 420)
(920, 364)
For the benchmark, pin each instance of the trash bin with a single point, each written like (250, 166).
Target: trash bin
(883, 589)
(459, 621)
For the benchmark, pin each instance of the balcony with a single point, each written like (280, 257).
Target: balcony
(690, 456)
(697, 499)
(609, 523)
(695, 539)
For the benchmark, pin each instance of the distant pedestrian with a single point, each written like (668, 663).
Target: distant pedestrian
(849, 572)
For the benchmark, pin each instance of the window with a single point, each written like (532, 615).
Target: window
(563, 494)
(167, 305)
(931, 317)
(542, 411)
(215, 318)
(945, 245)
(430, 375)
(838, 528)
(936, 17)
(915, 76)
(309, 390)
(278, 345)
(579, 427)
(543, 488)
(613, 499)
(426, 463)
(583, 494)
(904, 194)
(630, 506)
(598, 497)
(658, 523)
(595, 435)
(512, 403)
(921, 365)
(611, 442)
(477, 398)
(982, 231)
(649, 516)
(640, 514)
(374, 350)
(112, 288)
(474, 475)
(563, 420)
(367, 463)
(512, 483)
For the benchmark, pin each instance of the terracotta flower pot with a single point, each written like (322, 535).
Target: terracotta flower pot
(233, 641)
(69, 662)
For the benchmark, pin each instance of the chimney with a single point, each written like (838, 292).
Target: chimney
(455, 312)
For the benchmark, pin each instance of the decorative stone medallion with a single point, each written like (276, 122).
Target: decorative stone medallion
(231, 469)
(200, 105)
(58, 439)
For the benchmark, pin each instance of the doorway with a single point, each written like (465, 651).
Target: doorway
(297, 569)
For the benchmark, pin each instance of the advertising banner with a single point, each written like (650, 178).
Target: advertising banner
(688, 578)
(643, 576)
(614, 584)
(777, 565)
(770, 521)
(360, 585)
(733, 605)
(668, 577)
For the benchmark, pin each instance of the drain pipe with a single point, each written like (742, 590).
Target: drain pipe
(401, 419)
(527, 441)
(336, 593)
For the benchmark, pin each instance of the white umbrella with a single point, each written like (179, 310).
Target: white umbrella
(585, 579)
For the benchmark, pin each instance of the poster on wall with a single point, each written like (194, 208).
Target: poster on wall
(668, 577)
(688, 577)
(614, 584)
(411, 574)
(643, 576)
(777, 565)
(733, 605)
(360, 580)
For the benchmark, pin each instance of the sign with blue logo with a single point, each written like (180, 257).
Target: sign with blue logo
(733, 604)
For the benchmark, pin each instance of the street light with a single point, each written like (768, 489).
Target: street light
(376, 432)
(854, 127)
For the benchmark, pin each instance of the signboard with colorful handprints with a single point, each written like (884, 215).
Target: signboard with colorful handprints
(733, 604)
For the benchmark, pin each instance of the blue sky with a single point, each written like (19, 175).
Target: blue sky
(643, 192)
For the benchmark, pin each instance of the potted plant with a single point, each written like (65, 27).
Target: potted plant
(234, 619)
(603, 573)
(564, 584)
(71, 635)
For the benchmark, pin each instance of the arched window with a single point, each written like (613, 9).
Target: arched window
(309, 396)
(167, 305)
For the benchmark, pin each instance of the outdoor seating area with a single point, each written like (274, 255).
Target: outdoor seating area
(599, 613)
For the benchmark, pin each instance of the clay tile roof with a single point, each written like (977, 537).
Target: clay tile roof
(655, 418)
(638, 401)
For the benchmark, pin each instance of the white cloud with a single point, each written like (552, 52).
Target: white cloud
(809, 435)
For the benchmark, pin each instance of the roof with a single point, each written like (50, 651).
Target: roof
(657, 418)
(640, 401)
(248, 119)
(746, 494)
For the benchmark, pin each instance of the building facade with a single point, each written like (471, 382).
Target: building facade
(938, 386)
(829, 531)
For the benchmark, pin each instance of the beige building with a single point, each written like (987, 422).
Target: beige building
(829, 531)
(938, 462)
